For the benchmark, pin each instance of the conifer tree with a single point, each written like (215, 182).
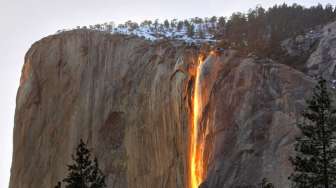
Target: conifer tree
(58, 185)
(314, 162)
(166, 24)
(265, 184)
(84, 172)
(190, 30)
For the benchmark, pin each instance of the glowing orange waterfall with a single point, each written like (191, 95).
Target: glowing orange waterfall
(196, 171)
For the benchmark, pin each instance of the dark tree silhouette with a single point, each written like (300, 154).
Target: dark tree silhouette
(84, 172)
(166, 24)
(315, 159)
(58, 185)
(265, 184)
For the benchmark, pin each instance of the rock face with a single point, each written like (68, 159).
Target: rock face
(249, 123)
(323, 60)
(124, 96)
(130, 100)
(315, 50)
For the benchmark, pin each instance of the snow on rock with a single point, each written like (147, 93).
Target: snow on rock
(200, 33)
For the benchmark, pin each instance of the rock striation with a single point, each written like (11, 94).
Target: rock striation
(126, 97)
(131, 101)
(249, 123)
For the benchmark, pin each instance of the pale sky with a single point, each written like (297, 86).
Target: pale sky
(23, 22)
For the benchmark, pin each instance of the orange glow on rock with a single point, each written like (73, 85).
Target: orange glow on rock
(196, 170)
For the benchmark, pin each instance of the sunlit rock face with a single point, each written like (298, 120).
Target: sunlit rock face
(126, 97)
(131, 100)
(205, 78)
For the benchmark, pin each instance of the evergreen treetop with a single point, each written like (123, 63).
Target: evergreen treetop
(84, 172)
(314, 162)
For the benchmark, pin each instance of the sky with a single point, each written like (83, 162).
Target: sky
(22, 22)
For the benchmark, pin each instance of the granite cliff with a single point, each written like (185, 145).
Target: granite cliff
(131, 100)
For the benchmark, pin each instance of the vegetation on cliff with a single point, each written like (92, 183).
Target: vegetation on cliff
(259, 30)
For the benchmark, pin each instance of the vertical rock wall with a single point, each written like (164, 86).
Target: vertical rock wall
(249, 123)
(127, 98)
(130, 100)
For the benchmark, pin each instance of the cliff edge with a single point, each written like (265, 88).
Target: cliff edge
(130, 100)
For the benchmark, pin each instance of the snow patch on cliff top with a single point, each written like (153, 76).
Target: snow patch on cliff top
(200, 33)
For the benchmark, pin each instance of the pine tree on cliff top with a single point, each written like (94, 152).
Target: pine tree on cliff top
(84, 172)
(315, 159)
